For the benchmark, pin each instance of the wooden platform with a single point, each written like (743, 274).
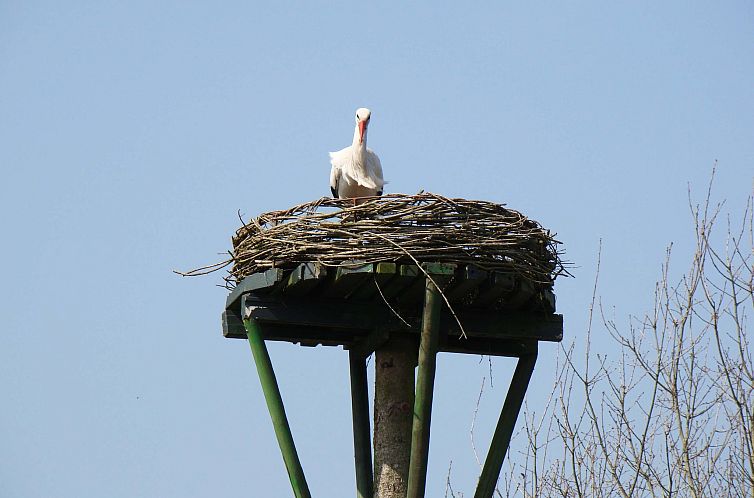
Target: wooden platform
(350, 306)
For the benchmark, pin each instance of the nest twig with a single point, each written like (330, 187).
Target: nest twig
(397, 227)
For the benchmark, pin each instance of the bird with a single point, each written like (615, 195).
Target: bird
(356, 170)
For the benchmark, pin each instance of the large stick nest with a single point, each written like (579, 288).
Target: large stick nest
(398, 228)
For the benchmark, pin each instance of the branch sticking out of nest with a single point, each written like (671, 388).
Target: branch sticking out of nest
(400, 228)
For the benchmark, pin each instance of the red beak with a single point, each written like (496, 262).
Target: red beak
(362, 129)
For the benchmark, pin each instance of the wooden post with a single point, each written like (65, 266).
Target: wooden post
(393, 415)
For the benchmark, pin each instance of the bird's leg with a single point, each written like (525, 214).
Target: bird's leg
(353, 217)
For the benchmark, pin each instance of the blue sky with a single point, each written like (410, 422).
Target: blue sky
(132, 132)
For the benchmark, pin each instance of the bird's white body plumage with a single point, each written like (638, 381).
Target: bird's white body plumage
(356, 170)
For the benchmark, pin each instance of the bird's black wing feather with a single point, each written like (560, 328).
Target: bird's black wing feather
(334, 191)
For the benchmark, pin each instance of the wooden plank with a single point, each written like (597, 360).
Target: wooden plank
(383, 273)
(440, 269)
(266, 283)
(506, 325)
(232, 325)
(497, 285)
(364, 343)
(305, 278)
(361, 318)
(261, 283)
(543, 301)
(310, 335)
(291, 307)
(467, 279)
(523, 293)
(547, 299)
(441, 273)
(348, 279)
(304, 312)
(404, 277)
(487, 346)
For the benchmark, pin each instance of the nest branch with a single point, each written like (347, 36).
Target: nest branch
(424, 227)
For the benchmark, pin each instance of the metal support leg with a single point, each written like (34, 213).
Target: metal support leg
(276, 409)
(505, 425)
(417, 474)
(362, 446)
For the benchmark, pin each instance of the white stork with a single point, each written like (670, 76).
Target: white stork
(356, 170)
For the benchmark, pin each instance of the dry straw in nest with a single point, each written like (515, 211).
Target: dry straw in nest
(400, 228)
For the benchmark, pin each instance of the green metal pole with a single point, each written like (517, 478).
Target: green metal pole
(362, 446)
(276, 409)
(505, 425)
(425, 382)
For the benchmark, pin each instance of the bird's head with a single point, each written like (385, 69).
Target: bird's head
(362, 121)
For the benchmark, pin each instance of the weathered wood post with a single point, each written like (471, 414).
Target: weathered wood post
(393, 415)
